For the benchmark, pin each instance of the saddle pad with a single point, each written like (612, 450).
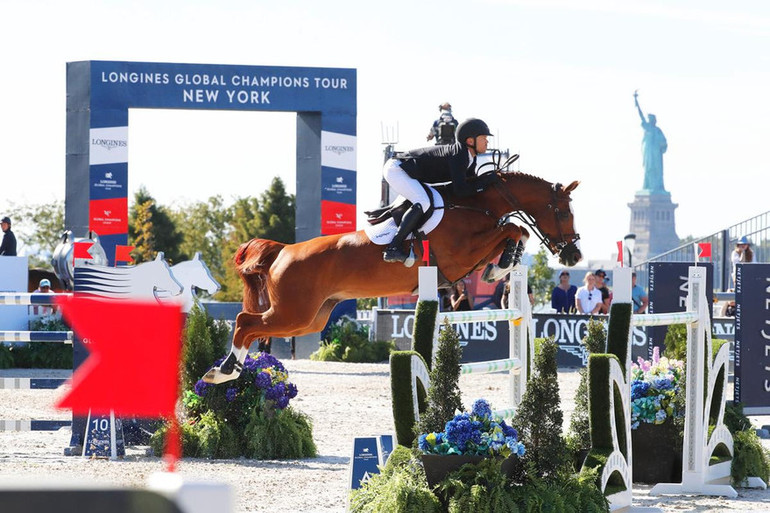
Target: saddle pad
(381, 234)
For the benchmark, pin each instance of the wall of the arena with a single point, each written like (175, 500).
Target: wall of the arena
(100, 94)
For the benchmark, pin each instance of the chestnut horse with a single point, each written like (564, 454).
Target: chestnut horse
(291, 289)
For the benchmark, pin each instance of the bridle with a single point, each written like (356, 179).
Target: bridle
(565, 239)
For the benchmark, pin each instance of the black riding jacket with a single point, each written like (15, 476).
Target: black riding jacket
(442, 164)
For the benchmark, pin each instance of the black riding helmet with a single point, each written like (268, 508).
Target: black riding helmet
(471, 127)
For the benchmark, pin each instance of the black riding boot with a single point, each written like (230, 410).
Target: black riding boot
(394, 252)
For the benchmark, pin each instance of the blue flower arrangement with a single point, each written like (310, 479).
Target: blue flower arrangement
(654, 386)
(474, 433)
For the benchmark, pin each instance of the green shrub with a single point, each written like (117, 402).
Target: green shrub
(248, 416)
(399, 488)
(751, 458)
(539, 417)
(286, 435)
(347, 341)
(424, 329)
(482, 488)
(579, 434)
(204, 341)
(444, 397)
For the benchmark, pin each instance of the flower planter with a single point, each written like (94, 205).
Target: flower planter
(438, 466)
(656, 457)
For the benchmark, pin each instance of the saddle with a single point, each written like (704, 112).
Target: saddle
(396, 210)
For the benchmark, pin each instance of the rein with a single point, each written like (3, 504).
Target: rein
(520, 214)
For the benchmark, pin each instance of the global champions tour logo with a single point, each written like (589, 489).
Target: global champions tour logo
(109, 144)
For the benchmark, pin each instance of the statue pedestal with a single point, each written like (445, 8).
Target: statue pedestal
(652, 220)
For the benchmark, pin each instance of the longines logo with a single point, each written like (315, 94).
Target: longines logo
(108, 175)
(339, 150)
(109, 144)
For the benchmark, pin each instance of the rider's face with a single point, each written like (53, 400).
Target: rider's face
(481, 144)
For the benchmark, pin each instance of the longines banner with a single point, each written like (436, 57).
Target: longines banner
(667, 291)
(752, 338)
(482, 341)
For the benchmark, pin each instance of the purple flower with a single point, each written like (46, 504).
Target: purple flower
(275, 392)
(292, 392)
(423, 443)
(250, 364)
(263, 380)
(201, 388)
(230, 394)
(282, 402)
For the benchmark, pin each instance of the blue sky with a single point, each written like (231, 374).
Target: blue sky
(554, 80)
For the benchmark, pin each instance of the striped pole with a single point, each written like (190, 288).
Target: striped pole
(487, 367)
(33, 425)
(31, 383)
(62, 337)
(29, 298)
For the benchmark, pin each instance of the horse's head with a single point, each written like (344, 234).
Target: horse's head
(545, 207)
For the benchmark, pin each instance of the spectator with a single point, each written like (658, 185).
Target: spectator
(507, 292)
(461, 298)
(638, 296)
(44, 287)
(588, 299)
(501, 289)
(443, 129)
(563, 295)
(8, 247)
(741, 254)
(601, 279)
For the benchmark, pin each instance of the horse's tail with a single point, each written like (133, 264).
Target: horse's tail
(256, 256)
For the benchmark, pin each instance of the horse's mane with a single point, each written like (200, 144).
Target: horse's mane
(446, 189)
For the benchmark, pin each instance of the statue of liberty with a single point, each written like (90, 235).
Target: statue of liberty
(654, 145)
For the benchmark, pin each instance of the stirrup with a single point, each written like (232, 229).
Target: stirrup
(393, 255)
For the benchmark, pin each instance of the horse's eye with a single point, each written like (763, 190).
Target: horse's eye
(564, 215)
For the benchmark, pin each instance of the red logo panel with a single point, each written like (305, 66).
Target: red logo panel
(337, 217)
(108, 216)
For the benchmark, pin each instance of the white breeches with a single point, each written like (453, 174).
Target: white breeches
(404, 184)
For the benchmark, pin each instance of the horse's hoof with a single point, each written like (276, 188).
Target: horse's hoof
(216, 376)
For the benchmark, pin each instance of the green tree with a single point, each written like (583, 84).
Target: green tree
(541, 278)
(204, 226)
(277, 213)
(269, 217)
(165, 235)
(41, 226)
(143, 239)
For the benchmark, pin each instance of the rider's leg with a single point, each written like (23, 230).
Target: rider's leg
(412, 190)
(394, 252)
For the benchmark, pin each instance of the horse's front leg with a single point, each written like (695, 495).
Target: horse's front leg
(512, 247)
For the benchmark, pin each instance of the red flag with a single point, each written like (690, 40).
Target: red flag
(620, 252)
(133, 367)
(704, 250)
(426, 251)
(80, 250)
(123, 253)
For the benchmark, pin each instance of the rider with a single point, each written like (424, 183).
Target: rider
(454, 163)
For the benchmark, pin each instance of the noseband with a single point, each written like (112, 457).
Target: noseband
(565, 239)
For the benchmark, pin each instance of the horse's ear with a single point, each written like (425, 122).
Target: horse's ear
(159, 256)
(571, 187)
(197, 255)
